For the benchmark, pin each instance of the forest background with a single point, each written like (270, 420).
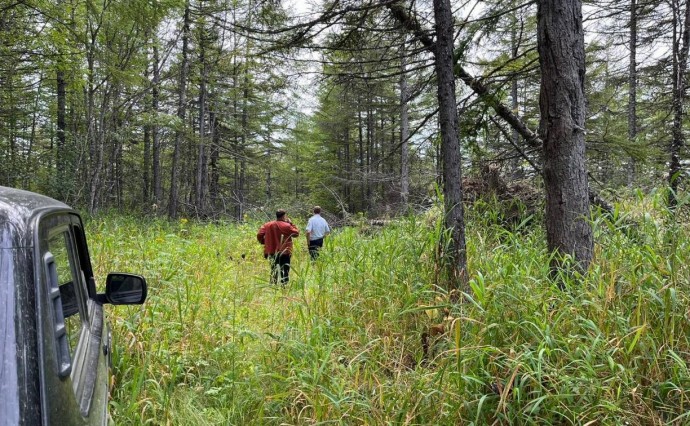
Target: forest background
(225, 110)
(216, 109)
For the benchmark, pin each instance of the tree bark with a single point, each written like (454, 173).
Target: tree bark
(201, 165)
(214, 188)
(362, 170)
(181, 114)
(98, 146)
(146, 178)
(269, 177)
(680, 62)
(60, 162)
(370, 152)
(116, 158)
(11, 167)
(347, 185)
(92, 130)
(156, 148)
(450, 144)
(560, 41)
(95, 120)
(632, 89)
(245, 132)
(515, 136)
(236, 136)
(32, 138)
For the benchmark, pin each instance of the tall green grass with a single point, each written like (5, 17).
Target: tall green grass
(216, 344)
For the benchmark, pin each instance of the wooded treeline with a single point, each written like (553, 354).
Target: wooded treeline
(197, 108)
(139, 105)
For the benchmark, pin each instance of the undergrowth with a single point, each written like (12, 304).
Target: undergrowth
(365, 335)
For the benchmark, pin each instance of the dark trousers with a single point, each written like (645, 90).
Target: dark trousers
(280, 268)
(314, 247)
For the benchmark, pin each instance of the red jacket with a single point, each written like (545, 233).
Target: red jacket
(276, 236)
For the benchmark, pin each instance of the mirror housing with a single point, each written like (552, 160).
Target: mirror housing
(125, 289)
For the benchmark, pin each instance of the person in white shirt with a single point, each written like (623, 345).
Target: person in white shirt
(317, 229)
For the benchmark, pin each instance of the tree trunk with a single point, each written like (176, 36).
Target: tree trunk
(200, 187)
(632, 89)
(514, 92)
(119, 148)
(156, 148)
(370, 152)
(362, 170)
(60, 162)
(245, 133)
(214, 154)
(146, 178)
(347, 186)
(560, 42)
(380, 161)
(269, 177)
(111, 163)
(188, 165)
(181, 114)
(236, 136)
(450, 144)
(32, 138)
(680, 62)
(98, 146)
(116, 160)
(11, 166)
(94, 133)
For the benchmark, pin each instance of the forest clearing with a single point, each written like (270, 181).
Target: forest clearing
(344, 343)
(508, 181)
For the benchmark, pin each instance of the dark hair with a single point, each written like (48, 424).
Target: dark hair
(317, 209)
(280, 213)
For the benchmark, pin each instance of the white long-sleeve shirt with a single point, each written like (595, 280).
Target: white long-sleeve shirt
(317, 227)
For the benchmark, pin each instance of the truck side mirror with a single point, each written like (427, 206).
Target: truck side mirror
(125, 289)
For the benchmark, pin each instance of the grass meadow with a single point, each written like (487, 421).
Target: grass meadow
(366, 336)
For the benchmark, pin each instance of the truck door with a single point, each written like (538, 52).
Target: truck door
(74, 374)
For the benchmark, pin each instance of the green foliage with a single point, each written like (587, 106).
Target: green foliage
(364, 336)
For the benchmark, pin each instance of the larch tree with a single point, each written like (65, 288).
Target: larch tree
(632, 87)
(560, 40)
(181, 114)
(404, 130)
(450, 145)
(679, 60)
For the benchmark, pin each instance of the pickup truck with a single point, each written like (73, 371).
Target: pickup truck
(55, 344)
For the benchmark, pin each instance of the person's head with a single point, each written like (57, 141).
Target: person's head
(317, 210)
(280, 214)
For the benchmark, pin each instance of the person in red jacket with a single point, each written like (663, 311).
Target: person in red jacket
(276, 236)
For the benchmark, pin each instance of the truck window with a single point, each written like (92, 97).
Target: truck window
(61, 247)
